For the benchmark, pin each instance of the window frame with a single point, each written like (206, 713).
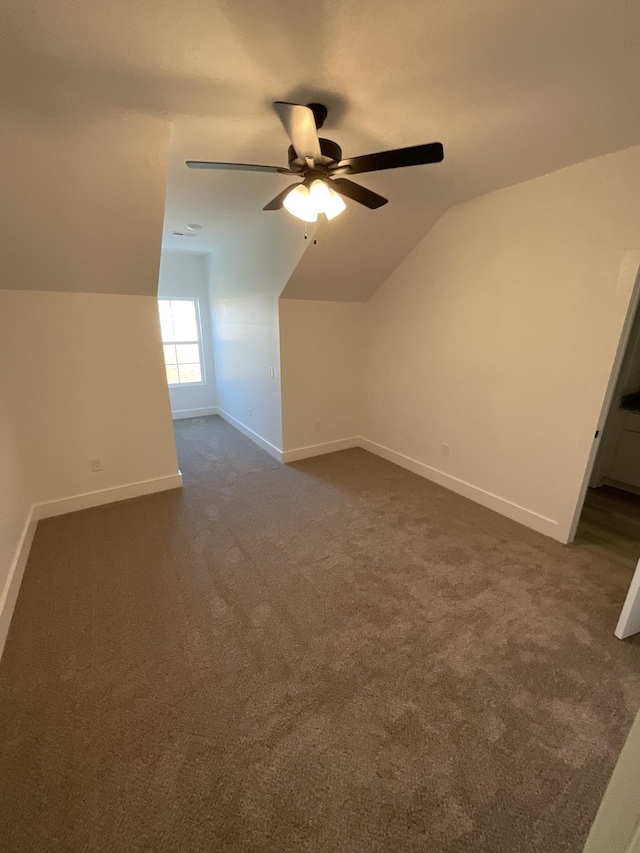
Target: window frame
(196, 301)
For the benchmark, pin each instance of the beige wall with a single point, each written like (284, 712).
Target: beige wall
(88, 382)
(321, 347)
(497, 334)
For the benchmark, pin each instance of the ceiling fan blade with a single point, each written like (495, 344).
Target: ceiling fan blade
(416, 155)
(277, 202)
(357, 193)
(300, 124)
(241, 167)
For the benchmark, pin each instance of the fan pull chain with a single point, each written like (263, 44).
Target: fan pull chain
(306, 236)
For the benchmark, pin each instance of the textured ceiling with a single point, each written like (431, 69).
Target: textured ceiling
(512, 90)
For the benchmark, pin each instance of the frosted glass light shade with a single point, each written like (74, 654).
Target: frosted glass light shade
(335, 204)
(307, 203)
(320, 195)
(325, 199)
(300, 204)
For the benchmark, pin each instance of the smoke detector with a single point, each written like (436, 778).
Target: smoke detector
(190, 230)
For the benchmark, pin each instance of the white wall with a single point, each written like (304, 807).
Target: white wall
(186, 275)
(81, 371)
(247, 274)
(88, 382)
(321, 348)
(15, 495)
(82, 377)
(497, 335)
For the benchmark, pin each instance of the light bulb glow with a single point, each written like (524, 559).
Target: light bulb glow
(335, 205)
(298, 202)
(307, 203)
(320, 195)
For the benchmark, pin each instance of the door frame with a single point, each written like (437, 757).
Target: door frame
(628, 282)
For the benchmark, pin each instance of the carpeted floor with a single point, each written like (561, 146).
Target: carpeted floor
(331, 656)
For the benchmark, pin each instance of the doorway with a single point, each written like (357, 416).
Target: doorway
(610, 518)
(607, 520)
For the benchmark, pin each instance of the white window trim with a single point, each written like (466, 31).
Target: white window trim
(194, 299)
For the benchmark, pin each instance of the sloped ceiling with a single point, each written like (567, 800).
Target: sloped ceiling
(512, 90)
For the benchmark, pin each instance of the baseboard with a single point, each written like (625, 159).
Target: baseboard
(299, 453)
(48, 509)
(179, 414)
(547, 526)
(249, 433)
(527, 517)
(61, 506)
(14, 579)
(617, 484)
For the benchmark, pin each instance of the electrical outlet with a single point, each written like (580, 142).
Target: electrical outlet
(444, 449)
(272, 373)
(317, 426)
(96, 464)
(250, 412)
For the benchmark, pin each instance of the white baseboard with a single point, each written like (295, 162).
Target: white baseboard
(87, 500)
(48, 509)
(503, 506)
(511, 510)
(194, 413)
(249, 433)
(617, 484)
(9, 594)
(319, 449)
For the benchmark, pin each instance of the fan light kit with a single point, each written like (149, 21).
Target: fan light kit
(307, 202)
(320, 164)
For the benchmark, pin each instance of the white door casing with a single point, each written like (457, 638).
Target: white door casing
(629, 621)
(616, 828)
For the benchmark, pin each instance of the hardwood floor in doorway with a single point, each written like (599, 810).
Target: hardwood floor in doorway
(610, 525)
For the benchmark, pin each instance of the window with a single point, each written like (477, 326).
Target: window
(180, 327)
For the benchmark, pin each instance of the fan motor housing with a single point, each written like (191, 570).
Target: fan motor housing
(331, 153)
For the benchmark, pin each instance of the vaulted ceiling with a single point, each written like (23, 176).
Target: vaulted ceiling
(512, 90)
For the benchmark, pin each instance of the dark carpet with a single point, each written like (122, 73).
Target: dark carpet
(330, 656)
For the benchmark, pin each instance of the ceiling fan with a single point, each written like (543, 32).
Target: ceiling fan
(320, 164)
